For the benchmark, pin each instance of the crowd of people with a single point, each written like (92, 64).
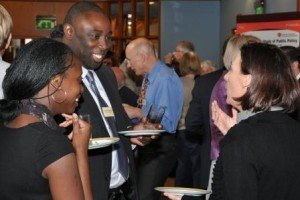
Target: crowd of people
(233, 131)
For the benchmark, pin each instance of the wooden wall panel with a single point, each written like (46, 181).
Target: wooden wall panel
(24, 15)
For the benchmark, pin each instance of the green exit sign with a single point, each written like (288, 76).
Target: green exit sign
(45, 22)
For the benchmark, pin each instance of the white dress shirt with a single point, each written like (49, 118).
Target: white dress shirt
(116, 177)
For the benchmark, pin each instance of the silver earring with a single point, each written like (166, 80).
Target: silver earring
(63, 93)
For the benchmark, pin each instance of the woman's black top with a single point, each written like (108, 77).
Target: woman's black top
(24, 153)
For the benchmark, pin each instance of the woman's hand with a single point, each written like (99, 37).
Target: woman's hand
(221, 119)
(172, 196)
(80, 137)
(142, 140)
(81, 131)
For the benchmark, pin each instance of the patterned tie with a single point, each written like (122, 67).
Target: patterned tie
(122, 157)
(142, 97)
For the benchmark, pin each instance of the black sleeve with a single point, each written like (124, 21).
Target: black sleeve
(51, 147)
(236, 171)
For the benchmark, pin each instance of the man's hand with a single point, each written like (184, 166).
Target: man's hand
(142, 140)
(144, 125)
(168, 58)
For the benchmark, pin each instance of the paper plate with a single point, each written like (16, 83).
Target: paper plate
(142, 132)
(183, 191)
(96, 143)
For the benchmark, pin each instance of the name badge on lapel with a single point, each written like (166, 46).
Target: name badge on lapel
(108, 112)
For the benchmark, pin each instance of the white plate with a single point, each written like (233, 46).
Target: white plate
(96, 143)
(142, 132)
(183, 191)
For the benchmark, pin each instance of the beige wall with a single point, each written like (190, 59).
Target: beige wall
(25, 12)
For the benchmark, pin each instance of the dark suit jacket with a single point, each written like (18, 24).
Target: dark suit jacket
(197, 119)
(100, 159)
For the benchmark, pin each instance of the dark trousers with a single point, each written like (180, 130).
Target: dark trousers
(123, 192)
(155, 162)
(188, 171)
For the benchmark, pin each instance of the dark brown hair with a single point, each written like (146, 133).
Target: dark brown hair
(272, 81)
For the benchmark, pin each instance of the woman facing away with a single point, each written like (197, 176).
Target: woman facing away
(187, 172)
(259, 157)
(36, 160)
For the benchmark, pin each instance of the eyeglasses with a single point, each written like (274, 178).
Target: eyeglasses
(128, 60)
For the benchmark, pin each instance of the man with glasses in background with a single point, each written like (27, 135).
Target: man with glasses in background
(161, 88)
(172, 59)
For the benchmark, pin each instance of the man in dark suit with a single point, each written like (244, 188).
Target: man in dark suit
(197, 124)
(87, 31)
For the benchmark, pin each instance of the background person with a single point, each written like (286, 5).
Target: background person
(6, 25)
(197, 122)
(126, 94)
(208, 66)
(293, 55)
(37, 161)
(161, 86)
(187, 172)
(110, 59)
(173, 59)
